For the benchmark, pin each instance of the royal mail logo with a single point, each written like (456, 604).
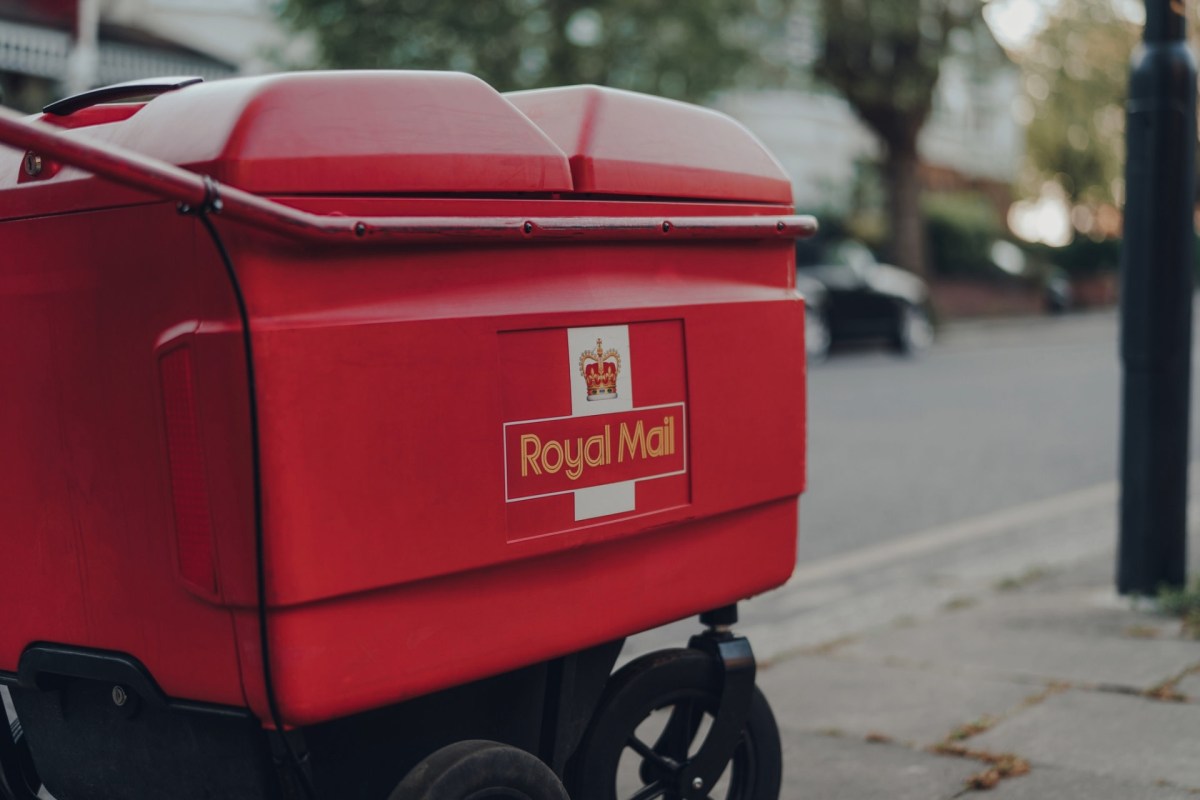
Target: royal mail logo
(600, 369)
(635, 440)
(567, 454)
(600, 451)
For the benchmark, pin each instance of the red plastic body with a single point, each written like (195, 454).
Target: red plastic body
(446, 493)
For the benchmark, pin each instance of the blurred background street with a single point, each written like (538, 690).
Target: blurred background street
(996, 414)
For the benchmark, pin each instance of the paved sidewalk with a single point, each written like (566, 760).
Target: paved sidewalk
(1042, 684)
(993, 652)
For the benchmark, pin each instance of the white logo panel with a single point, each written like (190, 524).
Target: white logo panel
(616, 498)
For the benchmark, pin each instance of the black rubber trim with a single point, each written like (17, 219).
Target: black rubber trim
(118, 92)
(8, 678)
(212, 205)
(41, 663)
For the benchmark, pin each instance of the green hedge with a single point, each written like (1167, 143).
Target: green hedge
(1082, 257)
(961, 228)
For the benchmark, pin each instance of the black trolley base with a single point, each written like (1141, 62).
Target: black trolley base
(686, 723)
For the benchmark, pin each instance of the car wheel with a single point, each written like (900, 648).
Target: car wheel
(817, 336)
(914, 330)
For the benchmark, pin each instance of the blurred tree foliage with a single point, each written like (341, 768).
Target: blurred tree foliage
(1076, 74)
(683, 49)
(884, 57)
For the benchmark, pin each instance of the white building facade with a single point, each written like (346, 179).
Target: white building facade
(51, 48)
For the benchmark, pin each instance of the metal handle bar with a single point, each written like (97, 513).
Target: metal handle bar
(201, 192)
(119, 91)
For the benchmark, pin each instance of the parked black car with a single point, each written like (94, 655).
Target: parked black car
(849, 296)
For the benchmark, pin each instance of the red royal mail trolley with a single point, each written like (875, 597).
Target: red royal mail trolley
(352, 420)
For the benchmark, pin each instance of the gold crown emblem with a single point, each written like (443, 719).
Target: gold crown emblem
(599, 369)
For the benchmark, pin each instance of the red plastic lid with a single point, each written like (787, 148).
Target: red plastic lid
(621, 143)
(350, 133)
(446, 133)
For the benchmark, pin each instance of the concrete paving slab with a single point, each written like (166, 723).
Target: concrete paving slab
(1091, 572)
(834, 768)
(1106, 734)
(1043, 637)
(1190, 686)
(921, 707)
(1049, 783)
(1099, 571)
(1090, 611)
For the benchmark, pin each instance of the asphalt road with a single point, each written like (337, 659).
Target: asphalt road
(995, 415)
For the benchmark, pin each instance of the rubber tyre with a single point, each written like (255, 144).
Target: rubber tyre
(914, 330)
(818, 337)
(480, 770)
(669, 678)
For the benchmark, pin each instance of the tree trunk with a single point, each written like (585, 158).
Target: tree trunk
(906, 224)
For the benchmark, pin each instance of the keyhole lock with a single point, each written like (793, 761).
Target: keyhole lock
(33, 164)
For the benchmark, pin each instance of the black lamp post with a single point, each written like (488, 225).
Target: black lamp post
(1156, 305)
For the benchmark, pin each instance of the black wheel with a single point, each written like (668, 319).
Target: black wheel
(914, 330)
(653, 717)
(817, 336)
(480, 770)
